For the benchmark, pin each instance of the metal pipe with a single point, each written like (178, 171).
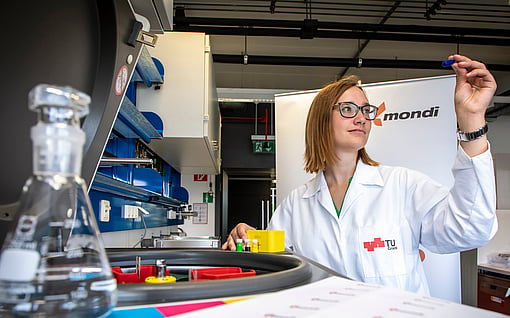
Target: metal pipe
(349, 26)
(273, 200)
(340, 62)
(125, 161)
(336, 34)
(268, 212)
(138, 266)
(262, 214)
(339, 30)
(160, 268)
(185, 214)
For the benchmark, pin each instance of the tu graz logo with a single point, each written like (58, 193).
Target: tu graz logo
(383, 115)
(370, 246)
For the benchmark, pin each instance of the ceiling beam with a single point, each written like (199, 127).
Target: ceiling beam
(288, 28)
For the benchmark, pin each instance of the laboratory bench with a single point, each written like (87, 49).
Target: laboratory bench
(494, 288)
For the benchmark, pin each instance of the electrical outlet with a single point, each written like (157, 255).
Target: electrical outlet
(133, 212)
(171, 214)
(129, 212)
(104, 210)
(126, 212)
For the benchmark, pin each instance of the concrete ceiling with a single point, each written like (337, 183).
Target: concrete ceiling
(394, 39)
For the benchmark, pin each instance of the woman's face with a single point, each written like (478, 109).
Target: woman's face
(351, 134)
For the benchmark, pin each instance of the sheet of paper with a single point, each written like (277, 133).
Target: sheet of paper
(338, 297)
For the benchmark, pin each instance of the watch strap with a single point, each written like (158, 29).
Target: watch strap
(472, 135)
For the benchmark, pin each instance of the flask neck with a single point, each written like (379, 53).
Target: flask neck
(57, 148)
(52, 115)
(57, 137)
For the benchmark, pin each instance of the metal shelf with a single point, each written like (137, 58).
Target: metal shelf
(146, 69)
(109, 185)
(131, 123)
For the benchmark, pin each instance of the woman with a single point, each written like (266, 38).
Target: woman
(365, 220)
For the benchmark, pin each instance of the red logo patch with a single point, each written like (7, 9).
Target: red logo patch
(371, 246)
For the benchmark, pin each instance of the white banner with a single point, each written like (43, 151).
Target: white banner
(416, 129)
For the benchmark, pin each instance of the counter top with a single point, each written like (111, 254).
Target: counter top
(325, 298)
(494, 269)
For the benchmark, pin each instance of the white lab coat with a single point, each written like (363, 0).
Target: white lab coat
(387, 212)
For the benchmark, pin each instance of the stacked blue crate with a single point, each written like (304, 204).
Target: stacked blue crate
(156, 187)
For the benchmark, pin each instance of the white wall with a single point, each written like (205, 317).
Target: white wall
(499, 133)
(500, 147)
(196, 189)
(132, 238)
(502, 165)
(500, 243)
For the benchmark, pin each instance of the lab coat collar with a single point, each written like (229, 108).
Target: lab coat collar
(367, 175)
(364, 175)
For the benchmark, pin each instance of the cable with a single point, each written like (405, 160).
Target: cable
(144, 232)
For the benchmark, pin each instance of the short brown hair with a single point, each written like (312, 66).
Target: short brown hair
(319, 147)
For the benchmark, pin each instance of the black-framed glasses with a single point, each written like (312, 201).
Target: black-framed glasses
(350, 110)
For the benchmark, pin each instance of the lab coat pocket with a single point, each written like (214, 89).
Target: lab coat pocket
(381, 252)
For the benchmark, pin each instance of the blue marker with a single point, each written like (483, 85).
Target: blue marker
(447, 63)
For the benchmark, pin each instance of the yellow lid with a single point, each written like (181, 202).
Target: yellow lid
(162, 280)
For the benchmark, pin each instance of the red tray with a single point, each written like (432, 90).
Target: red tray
(219, 273)
(131, 277)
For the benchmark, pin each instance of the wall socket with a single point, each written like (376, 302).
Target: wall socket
(129, 212)
(104, 210)
(171, 214)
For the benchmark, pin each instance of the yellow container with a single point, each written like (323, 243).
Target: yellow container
(269, 240)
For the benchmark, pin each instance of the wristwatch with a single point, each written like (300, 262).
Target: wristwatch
(472, 135)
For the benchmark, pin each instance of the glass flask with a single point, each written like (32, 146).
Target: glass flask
(52, 263)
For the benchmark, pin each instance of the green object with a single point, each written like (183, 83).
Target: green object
(239, 245)
(261, 146)
(207, 197)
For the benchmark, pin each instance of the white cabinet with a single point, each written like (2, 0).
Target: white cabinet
(187, 103)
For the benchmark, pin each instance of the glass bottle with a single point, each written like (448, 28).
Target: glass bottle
(52, 263)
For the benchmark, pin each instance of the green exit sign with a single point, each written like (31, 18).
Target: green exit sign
(208, 197)
(261, 146)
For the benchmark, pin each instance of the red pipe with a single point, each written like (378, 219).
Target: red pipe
(267, 121)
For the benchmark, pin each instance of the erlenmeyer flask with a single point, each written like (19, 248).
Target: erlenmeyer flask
(52, 263)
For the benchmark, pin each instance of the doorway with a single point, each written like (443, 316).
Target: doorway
(247, 201)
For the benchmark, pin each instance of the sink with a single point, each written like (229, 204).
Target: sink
(188, 242)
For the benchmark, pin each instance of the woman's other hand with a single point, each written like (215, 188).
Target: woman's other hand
(238, 232)
(475, 87)
(474, 90)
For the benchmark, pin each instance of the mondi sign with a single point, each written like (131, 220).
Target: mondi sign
(432, 112)
(383, 115)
